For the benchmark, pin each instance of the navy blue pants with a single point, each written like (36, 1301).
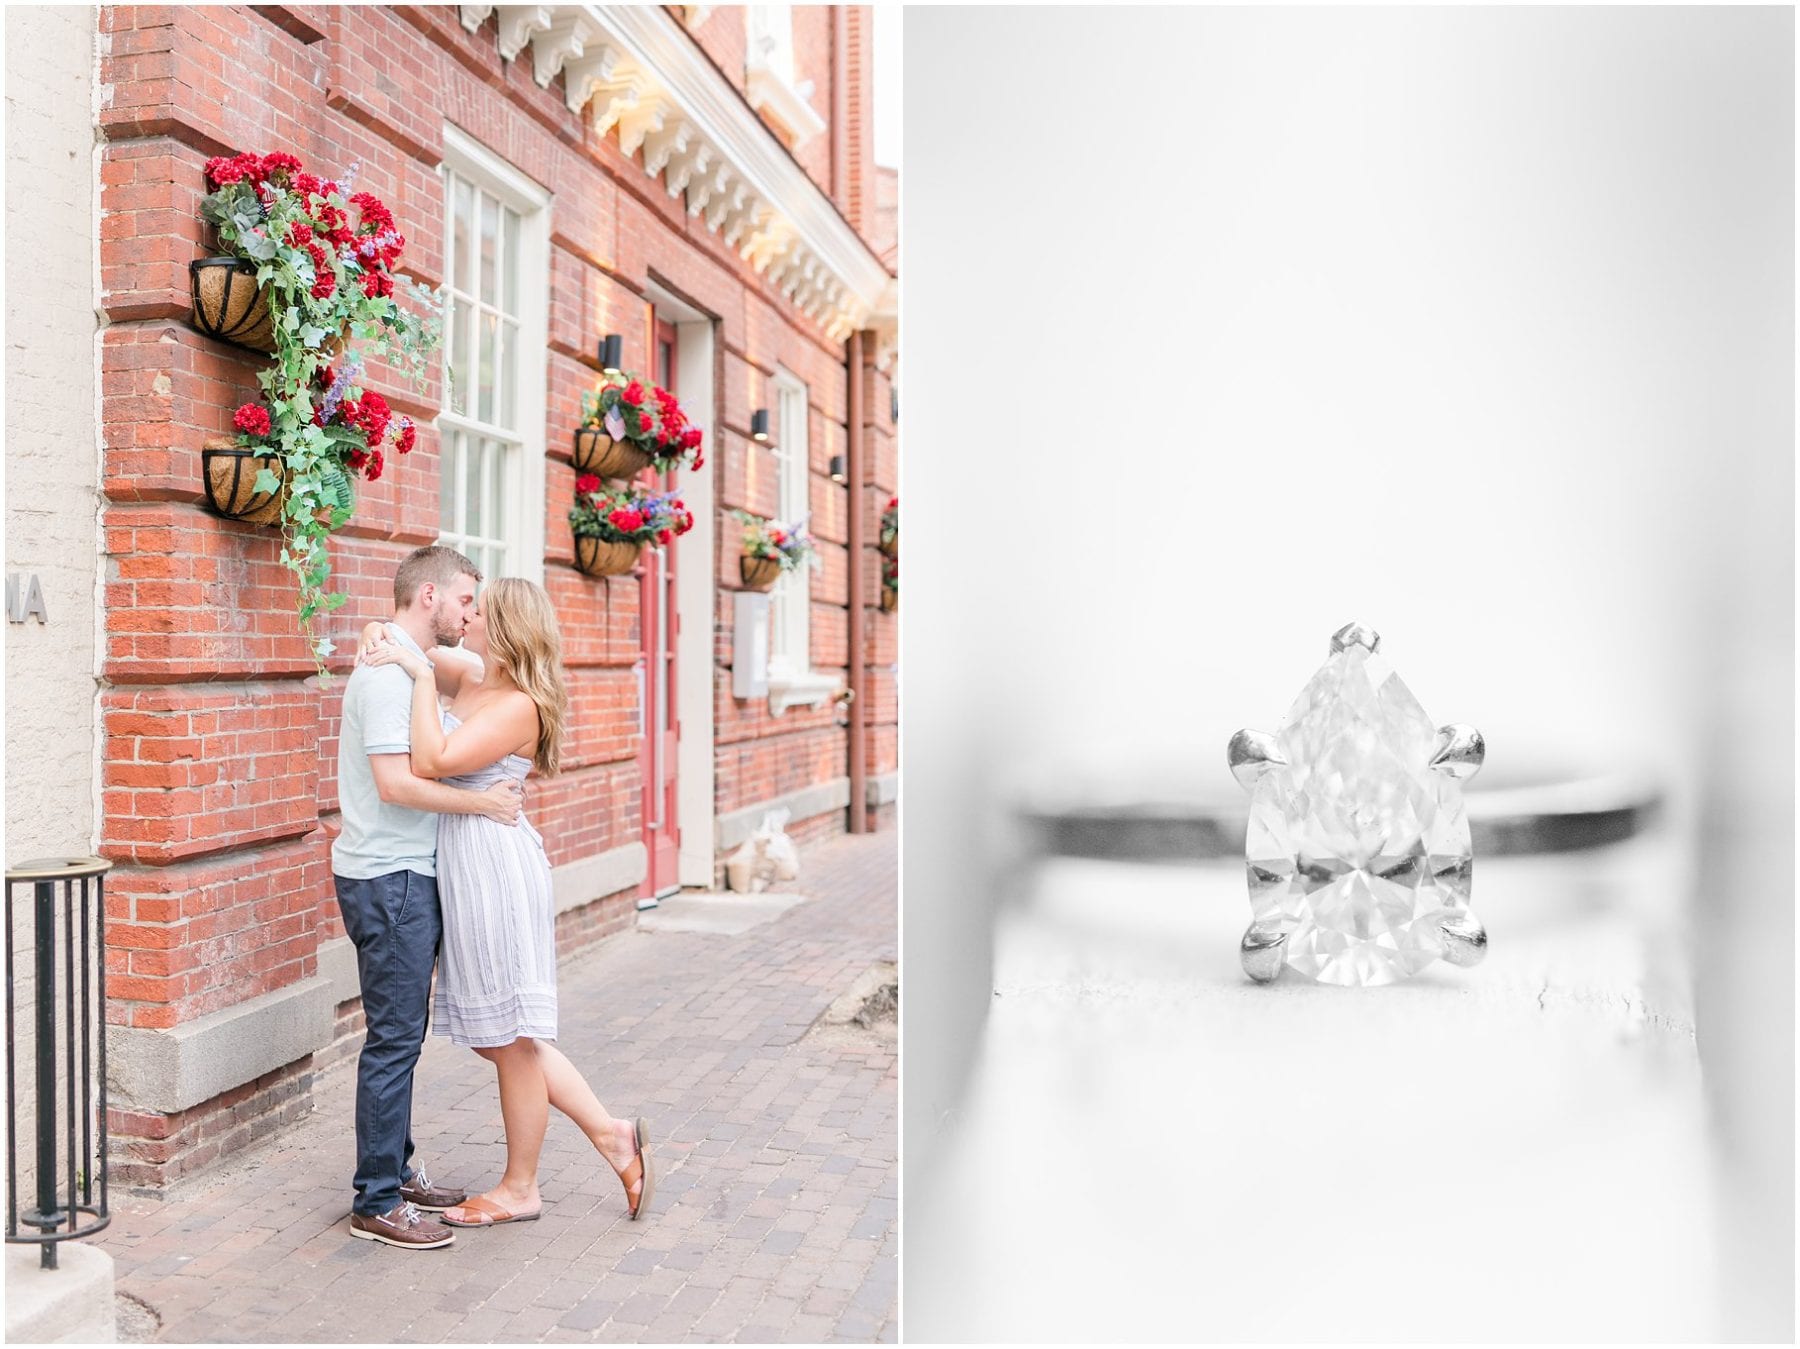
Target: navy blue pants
(395, 923)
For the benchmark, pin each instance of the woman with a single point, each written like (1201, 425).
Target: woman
(496, 987)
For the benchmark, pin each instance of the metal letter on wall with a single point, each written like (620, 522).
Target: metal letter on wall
(750, 645)
(25, 600)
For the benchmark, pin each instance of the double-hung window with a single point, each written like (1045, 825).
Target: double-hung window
(791, 679)
(491, 428)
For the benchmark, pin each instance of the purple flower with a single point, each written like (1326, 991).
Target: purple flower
(345, 376)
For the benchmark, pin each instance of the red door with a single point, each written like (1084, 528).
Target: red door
(662, 832)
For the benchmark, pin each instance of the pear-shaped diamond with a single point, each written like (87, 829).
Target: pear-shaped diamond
(1358, 850)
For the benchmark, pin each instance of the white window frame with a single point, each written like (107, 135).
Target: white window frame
(522, 527)
(792, 681)
(770, 84)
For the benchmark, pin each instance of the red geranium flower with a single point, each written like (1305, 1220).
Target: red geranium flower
(252, 419)
(221, 171)
(372, 415)
(587, 482)
(376, 218)
(626, 521)
(690, 438)
(408, 434)
(664, 536)
(634, 393)
(375, 465)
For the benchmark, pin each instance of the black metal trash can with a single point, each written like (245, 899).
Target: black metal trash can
(68, 1025)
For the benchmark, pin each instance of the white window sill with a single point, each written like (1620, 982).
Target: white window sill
(799, 689)
(769, 93)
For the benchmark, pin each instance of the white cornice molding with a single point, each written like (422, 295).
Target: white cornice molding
(642, 75)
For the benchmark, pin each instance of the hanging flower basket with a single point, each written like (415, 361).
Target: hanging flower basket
(889, 537)
(626, 426)
(229, 305)
(602, 557)
(890, 599)
(230, 472)
(771, 548)
(604, 456)
(759, 572)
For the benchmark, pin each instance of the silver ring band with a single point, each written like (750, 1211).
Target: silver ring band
(1561, 816)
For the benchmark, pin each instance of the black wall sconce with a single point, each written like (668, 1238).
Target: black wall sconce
(612, 351)
(838, 472)
(759, 424)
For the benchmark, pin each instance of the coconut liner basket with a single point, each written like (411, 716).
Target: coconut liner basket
(603, 557)
(230, 306)
(599, 454)
(230, 471)
(759, 573)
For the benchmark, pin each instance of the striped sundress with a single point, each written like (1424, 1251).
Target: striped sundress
(497, 966)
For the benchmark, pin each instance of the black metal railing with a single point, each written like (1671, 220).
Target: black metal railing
(69, 1102)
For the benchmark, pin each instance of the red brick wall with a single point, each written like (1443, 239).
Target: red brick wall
(220, 751)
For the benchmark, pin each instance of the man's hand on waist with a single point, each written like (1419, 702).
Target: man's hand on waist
(504, 799)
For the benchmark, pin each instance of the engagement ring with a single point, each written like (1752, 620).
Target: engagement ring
(1358, 838)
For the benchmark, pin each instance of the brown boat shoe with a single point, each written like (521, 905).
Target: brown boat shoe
(421, 1193)
(403, 1226)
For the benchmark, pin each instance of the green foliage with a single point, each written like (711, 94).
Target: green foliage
(286, 230)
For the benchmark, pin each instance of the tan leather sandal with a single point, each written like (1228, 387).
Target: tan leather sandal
(645, 1178)
(487, 1214)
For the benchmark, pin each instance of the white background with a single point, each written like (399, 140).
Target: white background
(1225, 327)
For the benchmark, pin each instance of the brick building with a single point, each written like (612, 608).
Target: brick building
(696, 179)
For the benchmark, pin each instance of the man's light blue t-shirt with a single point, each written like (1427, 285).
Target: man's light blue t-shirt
(379, 838)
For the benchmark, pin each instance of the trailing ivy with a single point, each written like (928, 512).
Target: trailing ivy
(324, 261)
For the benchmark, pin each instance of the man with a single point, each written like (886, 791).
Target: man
(384, 868)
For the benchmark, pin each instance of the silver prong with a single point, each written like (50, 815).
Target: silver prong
(1465, 941)
(1460, 751)
(1251, 754)
(1260, 952)
(1355, 634)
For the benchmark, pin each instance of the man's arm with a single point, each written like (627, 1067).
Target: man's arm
(398, 785)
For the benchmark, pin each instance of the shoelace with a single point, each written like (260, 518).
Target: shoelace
(409, 1214)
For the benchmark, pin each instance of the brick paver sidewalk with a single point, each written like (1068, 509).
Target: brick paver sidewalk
(776, 1211)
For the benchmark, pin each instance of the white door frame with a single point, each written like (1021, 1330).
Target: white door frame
(695, 595)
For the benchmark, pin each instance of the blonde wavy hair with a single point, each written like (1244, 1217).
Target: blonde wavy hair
(523, 640)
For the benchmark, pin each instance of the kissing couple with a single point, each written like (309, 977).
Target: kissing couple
(437, 865)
